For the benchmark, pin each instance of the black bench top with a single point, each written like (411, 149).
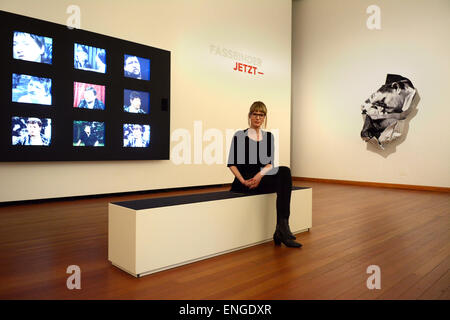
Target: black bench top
(185, 199)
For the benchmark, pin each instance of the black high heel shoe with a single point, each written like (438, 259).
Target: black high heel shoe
(282, 235)
(278, 239)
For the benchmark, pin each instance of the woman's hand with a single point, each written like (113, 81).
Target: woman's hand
(247, 183)
(254, 182)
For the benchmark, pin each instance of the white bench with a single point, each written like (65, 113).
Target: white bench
(151, 235)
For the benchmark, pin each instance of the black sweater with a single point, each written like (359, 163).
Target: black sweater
(250, 156)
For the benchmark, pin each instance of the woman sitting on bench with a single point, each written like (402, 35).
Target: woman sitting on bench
(251, 160)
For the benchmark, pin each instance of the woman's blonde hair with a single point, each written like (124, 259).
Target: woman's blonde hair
(258, 106)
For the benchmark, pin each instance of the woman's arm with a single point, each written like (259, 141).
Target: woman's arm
(270, 152)
(232, 159)
(266, 168)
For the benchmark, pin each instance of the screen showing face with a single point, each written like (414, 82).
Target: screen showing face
(31, 47)
(29, 89)
(88, 134)
(136, 67)
(88, 96)
(31, 131)
(89, 58)
(136, 135)
(136, 101)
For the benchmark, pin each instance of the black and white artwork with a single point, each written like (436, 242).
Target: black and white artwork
(385, 111)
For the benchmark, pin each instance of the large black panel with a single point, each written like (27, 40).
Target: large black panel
(42, 114)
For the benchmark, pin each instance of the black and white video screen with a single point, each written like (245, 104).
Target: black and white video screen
(31, 89)
(89, 58)
(31, 131)
(32, 47)
(136, 135)
(136, 67)
(136, 101)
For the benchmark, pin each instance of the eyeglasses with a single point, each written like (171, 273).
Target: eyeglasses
(258, 115)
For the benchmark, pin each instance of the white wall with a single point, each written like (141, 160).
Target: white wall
(203, 85)
(337, 62)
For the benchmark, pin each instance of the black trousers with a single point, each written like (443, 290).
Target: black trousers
(277, 180)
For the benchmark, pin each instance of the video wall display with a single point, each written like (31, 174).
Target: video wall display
(73, 95)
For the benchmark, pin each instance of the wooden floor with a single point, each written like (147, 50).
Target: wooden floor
(406, 233)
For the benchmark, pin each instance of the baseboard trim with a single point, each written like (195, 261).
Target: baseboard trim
(375, 184)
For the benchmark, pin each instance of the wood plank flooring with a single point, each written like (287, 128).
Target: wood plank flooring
(404, 232)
